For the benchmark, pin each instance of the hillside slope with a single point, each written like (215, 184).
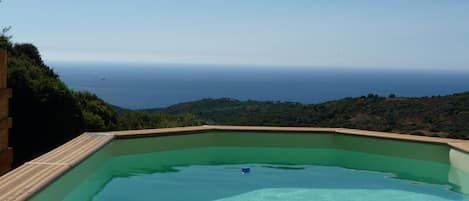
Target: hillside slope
(47, 113)
(444, 116)
(44, 110)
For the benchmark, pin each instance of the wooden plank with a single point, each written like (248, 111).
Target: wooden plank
(396, 136)
(72, 153)
(26, 180)
(5, 94)
(3, 140)
(6, 158)
(463, 146)
(165, 131)
(6, 123)
(3, 69)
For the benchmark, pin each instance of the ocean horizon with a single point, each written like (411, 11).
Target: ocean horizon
(140, 86)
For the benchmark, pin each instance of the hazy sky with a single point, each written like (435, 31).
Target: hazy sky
(363, 33)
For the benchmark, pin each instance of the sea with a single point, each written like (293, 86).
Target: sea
(143, 86)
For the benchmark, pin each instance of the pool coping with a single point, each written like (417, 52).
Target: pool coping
(23, 182)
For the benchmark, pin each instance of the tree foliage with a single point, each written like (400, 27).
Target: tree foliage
(443, 116)
(47, 113)
(97, 114)
(144, 120)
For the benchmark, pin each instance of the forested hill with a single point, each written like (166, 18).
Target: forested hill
(444, 116)
(47, 113)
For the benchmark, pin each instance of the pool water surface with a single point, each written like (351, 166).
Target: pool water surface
(297, 167)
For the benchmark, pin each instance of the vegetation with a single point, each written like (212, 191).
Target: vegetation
(97, 114)
(141, 120)
(47, 113)
(443, 116)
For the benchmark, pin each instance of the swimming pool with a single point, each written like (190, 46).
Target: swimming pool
(293, 165)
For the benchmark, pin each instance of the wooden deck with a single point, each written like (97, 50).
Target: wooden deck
(26, 180)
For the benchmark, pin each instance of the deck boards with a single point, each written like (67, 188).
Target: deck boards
(24, 181)
(68, 153)
(27, 179)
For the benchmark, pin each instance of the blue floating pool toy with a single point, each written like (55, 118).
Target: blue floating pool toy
(245, 170)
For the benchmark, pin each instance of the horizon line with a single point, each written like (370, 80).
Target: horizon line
(259, 65)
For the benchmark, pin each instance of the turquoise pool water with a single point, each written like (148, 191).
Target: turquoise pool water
(291, 166)
(270, 182)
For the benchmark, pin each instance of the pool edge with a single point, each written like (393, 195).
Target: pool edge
(25, 181)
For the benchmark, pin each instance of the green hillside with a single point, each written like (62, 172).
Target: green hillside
(47, 113)
(444, 116)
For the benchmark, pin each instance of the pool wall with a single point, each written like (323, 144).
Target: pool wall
(32, 177)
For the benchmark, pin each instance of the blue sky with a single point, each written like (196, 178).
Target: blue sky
(429, 34)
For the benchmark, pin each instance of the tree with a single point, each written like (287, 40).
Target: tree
(4, 38)
(98, 115)
(45, 111)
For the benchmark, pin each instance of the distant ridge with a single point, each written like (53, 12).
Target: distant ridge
(443, 116)
(119, 110)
